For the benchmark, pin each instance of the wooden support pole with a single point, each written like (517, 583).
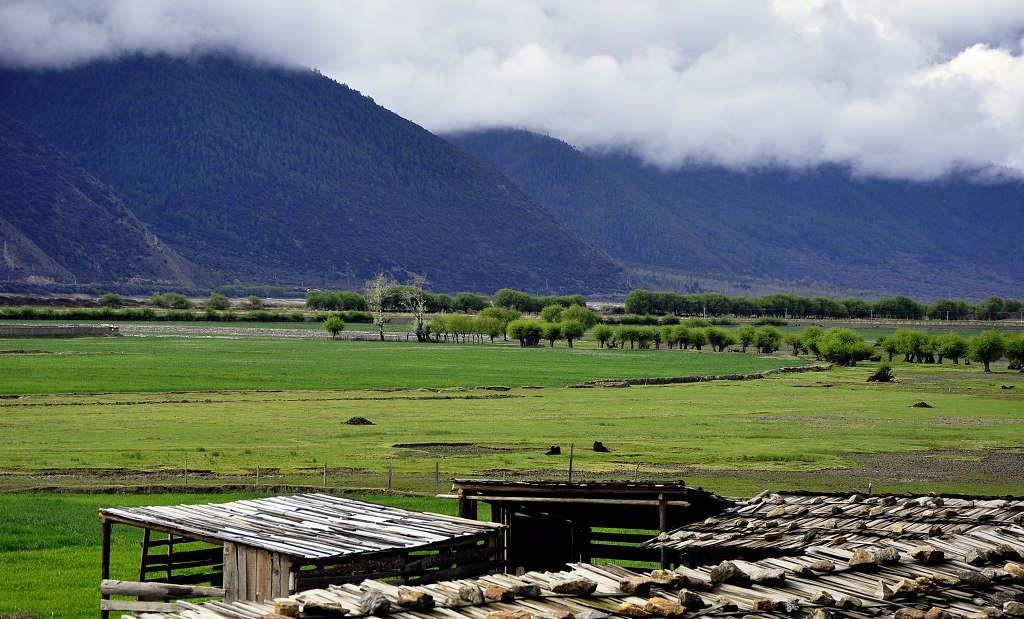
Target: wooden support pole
(325, 476)
(391, 472)
(663, 527)
(437, 478)
(105, 564)
(571, 445)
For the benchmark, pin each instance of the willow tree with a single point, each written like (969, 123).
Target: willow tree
(376, 291)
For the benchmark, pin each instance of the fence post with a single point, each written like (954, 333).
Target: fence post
(325, 475)
(391, 471)
(186, 470)
(571, 445)
(257, 477)
(437, 478)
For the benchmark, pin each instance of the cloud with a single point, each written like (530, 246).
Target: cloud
(914, 89)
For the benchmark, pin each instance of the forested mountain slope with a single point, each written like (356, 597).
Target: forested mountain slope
(61, 226)
(953, 236)
(285, 176)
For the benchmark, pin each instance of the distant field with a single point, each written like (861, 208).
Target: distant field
(176, 361)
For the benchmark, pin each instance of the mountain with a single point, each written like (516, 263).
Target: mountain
(60, 226)
(284, 176)
(811, 230)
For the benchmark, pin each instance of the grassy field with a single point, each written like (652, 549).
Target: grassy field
(126, 413)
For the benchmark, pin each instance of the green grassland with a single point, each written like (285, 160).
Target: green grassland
(124, 414)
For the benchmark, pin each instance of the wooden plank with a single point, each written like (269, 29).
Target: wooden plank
(584, 501)
(127, 587)
(264, 571)
(230, 573)
(279, 575)
(105, 563)
(132, 605)
(247, 566)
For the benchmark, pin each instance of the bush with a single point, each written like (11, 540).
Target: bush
(112, 299)
(772, 321)
(882, 375)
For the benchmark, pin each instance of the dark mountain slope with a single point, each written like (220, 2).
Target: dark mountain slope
(59, 225)
(801, 227)
(285, 176)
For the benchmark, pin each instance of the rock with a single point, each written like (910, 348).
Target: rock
(560, 614)
(945, 579)
(374, 603)
(908, 613)
(527, 591)
(593, 614)
(664, 608)
(414, 600)
(599, 447)
(789, 606)
(775, 513)
(822, 566)
(690, 600)
(822, 598)
(699, 584)
(631, 610)
(861, 559)
(935, 531)
(580, 587)
(636, 585)
(927, 554)
(887, 556)
(471, 594)
(726, 605)
(324, 608)
(904, 588)
(883, 591)
(499, 594)
(768, 577)
(855, 498)
(359, 421)
(849, 602)
(508, 614)
(1013, 608)
(936, 613)
(821, 613)
(973, 579)
(976, 556)
(1015, 569)
(774, 535)
(670, 579)
(727, 572)
(803, 571)
(924, 585)
(838, 540)
(829, 524)
(897, 529)
(1007, 551)
(762, 605)
(554, 450)
(287, 607)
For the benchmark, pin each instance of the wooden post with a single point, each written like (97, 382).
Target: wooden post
(571, 445)
(105, 564)
(391, 471)
(257, 477)
(186, 470)
(467, 507)
(437, 478)
(325, 476)
(663, 527)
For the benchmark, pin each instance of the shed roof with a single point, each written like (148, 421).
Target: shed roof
(773, 524)
(308, 526)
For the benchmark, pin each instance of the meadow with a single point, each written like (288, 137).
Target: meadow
(125, 415)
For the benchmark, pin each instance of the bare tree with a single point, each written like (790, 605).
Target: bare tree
(375, 291)
(416, 301)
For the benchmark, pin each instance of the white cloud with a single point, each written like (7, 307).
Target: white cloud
(908, 88)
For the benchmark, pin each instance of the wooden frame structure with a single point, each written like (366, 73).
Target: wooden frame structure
(551, 523)
(261, 549)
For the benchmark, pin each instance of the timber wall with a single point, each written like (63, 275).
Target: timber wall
(13, 331)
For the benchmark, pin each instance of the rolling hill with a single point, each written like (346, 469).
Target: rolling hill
(808, 230)
(284, 176)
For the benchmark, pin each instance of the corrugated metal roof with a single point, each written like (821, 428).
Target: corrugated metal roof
(310, 526)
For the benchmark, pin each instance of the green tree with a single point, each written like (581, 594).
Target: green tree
(552, 332)
(992, 308)
(645, 336)
(470, 302)
(490, 326)
(745, 334)
(551, 313)
(949, 346)
(767, 339)
(698, 337)
(112, 299)
(1015, 351)
(572, 330)
(913, 344)
(334, 325)
(217, 301)
(986, 348)
(796, 341)
(809, 339)
(844, 347)
(527, 331)
(587, 317)
(603, 333)
(720, 338)
(512, 299)
(252, 302)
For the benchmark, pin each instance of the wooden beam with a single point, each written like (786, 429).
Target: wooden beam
(131, 605)
(105, 564)
(161, 589)
(585, 501)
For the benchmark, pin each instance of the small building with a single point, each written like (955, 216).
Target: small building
(262, 549)
(58, 331)
(552, 523)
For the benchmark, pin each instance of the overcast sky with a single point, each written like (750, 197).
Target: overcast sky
(910, 88)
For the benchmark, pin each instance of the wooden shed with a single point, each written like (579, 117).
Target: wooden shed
(266, 548)
(551, 523)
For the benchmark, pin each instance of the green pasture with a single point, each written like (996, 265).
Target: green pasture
(197, 362)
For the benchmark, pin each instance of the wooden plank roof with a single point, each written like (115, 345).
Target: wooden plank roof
(779, 523)
(842, 594)
(307, 526)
